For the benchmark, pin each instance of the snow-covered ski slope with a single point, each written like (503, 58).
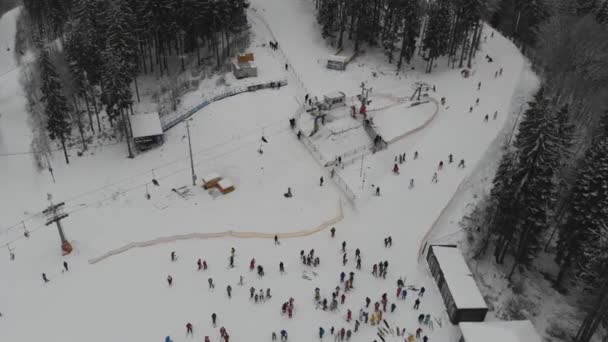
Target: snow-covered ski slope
(126, 298)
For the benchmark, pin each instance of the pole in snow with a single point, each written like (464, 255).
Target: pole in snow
(190, 150)
(55, 214)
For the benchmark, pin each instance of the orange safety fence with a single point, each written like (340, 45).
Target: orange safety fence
(237, 234)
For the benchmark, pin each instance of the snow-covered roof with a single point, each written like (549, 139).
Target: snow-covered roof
(499, 331)
(337, 58)
(334, 95)
(145, 125)
(225, 183)
(458, 278)
(211, 176)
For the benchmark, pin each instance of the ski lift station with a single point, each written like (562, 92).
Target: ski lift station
(462, 298)
(333, 100)
(336, 62)
(498, 331)
(147, 130)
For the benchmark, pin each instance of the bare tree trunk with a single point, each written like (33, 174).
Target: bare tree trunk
(65, 150)
(86, 100)
(136, 88)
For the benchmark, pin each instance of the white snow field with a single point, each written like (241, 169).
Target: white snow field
(125, 297)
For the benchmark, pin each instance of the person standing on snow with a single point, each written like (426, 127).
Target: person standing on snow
(393, 307)
(440, 165)
(377, 191)
(65, 266)
(173, 256)
(396, 169)
(213, 319)
(283, 335)
(281, 268)
(46, 280)
(321, 181)
(435, 179)
(252, 264)
(333, 231)
(211, 285)
(485, 119)
(461, 164)
(251, 292)
(421, 293)
(416, 304)
(321, 332)
(188, 329)
(168, 339)
(199, 263)
(274, 336)
(229, 291)
(170, 280)
(349, 315)
(276, 240)
(343, 246)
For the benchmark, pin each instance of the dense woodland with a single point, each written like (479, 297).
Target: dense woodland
(550, 192)
(433, 29)
(105, 44)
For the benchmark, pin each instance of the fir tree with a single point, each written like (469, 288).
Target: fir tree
(435, 41)
(584, 237)
(602, 13)
(56, 109)
(538, 154)
(411, 11)
(504, 210)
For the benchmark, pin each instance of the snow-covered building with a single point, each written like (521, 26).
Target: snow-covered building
(336, 62)
(242, 70)
(244, 66)
(460, 293)
(147, 130)
(499, 331)
(333, 100)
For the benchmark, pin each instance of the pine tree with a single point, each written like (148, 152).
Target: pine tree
(538, 153)
(410, 11)
(565, 131)
(584, 7)
(584, 237)
(327, 17)
(503, 210)
(602, 13)
(56, 109)
(437, 35)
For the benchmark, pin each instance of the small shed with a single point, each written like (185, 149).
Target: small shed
(244, 69)
(211, 180)
(147, 130)
(245, 57)
(499, 331)
(333, 100)
(462, 298)
(225, 185)
(336, 62)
